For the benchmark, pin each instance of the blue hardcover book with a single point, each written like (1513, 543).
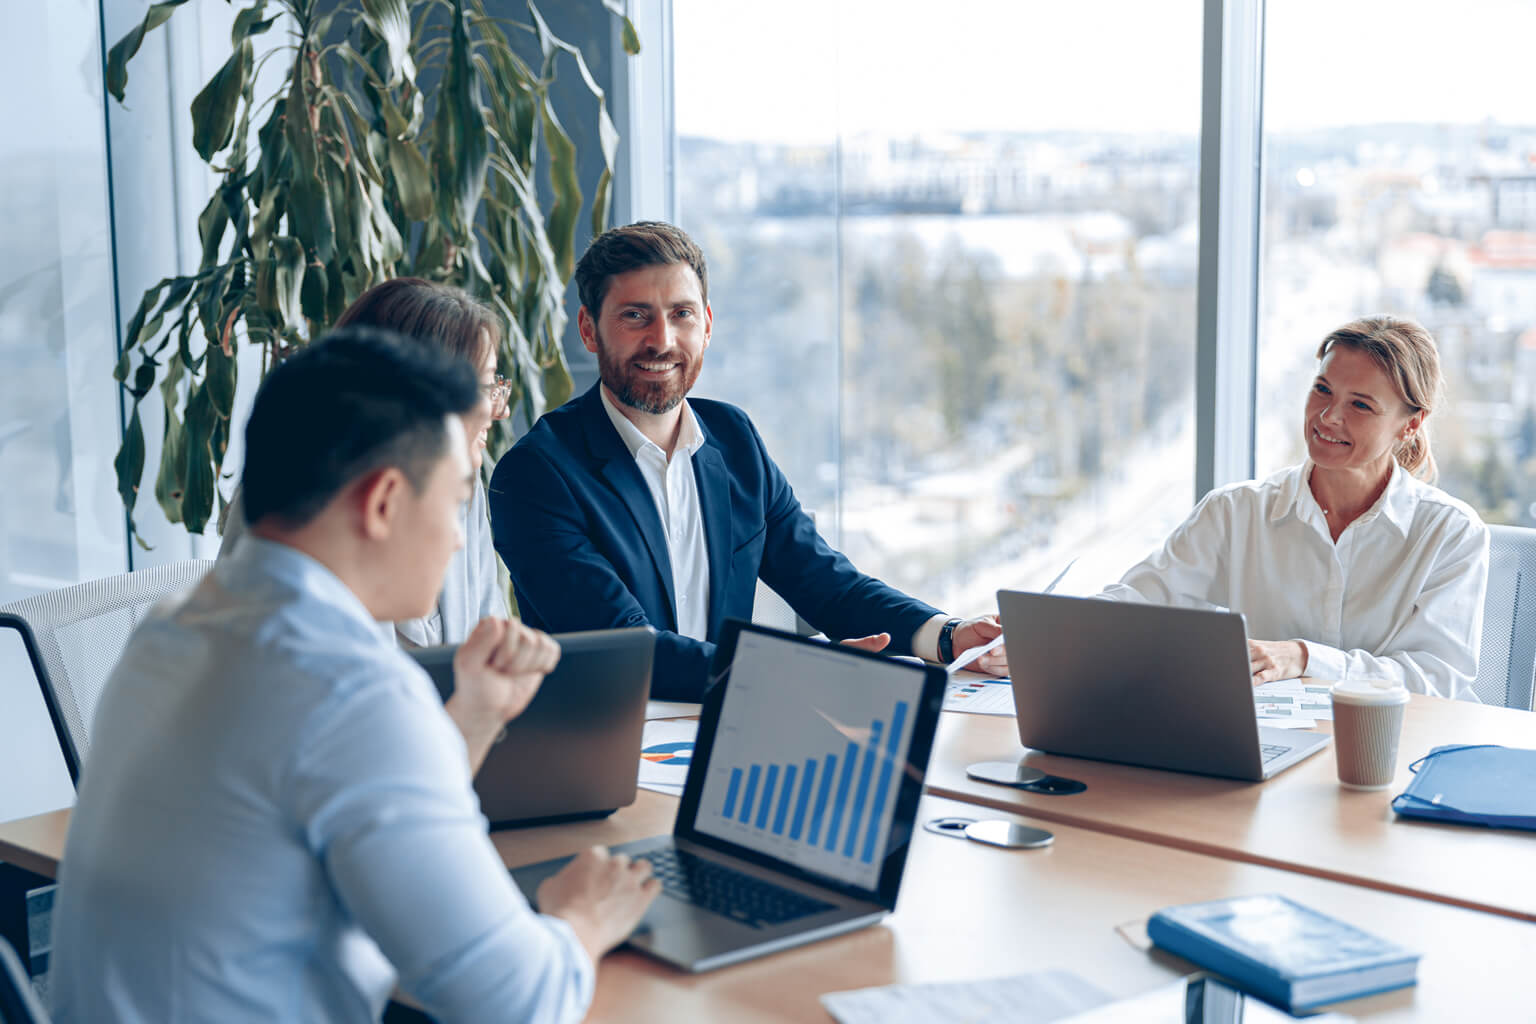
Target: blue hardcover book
(1283, 951)
(1474, 785)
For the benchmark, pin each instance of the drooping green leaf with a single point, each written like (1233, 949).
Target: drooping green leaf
(390, 20)
(220, 373)
(468, 151)
(561, 222)
(412, 177)
(214, 109)
(249, 22)
(123, 50)
(170, 481)
(197, 499)
(130, 461)
(287, 280)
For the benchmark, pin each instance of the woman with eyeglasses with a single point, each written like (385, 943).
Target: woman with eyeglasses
(450, 318)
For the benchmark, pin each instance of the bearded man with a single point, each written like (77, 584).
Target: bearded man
(635, 505)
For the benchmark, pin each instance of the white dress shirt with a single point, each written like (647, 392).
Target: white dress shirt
(676, 493)
(277, 818)
(1398, 596)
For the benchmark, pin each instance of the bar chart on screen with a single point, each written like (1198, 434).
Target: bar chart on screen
(810, 777)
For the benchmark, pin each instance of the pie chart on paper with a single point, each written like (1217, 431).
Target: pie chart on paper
(677, 753)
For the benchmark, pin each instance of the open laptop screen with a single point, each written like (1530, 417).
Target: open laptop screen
(815, 751)
(32, 760)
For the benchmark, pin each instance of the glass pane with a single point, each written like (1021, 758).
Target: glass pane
(953, 269)
(60, 518)
(1403, 180)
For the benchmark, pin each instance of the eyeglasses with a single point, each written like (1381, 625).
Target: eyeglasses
(497, 392)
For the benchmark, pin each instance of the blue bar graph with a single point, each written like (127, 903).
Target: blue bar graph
(821, 799)
(766, 803)
(746, 804)
(861, 795)
(841, 800)
(789, 787)
(803, 800)
(730, 794)
(877, 812)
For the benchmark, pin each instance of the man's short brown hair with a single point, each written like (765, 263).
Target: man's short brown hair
(648, 243)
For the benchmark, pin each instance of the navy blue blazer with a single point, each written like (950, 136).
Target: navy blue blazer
(581, 536)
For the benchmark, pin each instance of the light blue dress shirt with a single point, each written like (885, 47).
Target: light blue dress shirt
(471, 590)
(277, 818)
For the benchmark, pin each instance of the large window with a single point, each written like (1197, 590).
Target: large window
(60, 518)
(1401, 178)
(953, 266)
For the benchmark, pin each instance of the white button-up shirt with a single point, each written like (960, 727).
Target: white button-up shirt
(1399, 596)
(676, 494)
(276, 823)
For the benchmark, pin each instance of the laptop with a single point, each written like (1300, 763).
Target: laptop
(574, 752)
(1141, 684)
(800, 802)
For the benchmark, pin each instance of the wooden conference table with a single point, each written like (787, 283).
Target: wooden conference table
(1301, 820)
(969, 911)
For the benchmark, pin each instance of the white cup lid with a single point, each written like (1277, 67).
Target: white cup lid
(1369, 692)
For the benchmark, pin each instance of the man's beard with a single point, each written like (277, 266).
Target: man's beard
(647, 396)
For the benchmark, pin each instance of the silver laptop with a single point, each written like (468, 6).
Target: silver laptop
(574, 752)
(1141, 684)
(799, 807)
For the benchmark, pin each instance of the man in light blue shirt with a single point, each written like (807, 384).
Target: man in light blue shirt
(277, 820)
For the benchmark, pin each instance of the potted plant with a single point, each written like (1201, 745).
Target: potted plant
(406, 137)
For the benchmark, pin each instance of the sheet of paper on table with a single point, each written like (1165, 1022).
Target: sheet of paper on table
(666, 748)
(1022, 999)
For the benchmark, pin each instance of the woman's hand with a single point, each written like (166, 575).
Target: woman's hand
(1269, 660)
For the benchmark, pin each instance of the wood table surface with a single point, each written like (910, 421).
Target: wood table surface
(1301, 820)
(969, 911)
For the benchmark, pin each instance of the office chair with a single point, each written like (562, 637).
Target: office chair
(18, 1003)
(81, 632)
(1507, 662)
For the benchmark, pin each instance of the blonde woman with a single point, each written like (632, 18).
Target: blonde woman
(1352, 564)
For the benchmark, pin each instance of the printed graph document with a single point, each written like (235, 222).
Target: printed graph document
(666, 747)
(1022, 999)
(1292, 704)
(978, 694)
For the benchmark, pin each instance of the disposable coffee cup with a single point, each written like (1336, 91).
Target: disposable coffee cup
(1367, 721)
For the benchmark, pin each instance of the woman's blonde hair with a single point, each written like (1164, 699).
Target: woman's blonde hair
(1406, 353)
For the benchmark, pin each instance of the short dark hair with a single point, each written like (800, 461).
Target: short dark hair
(357, 400)
(648, 243)
(430, 312)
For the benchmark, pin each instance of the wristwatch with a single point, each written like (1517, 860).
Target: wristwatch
(947, 641)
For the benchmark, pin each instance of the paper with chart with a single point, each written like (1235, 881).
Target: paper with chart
(1292, 703)
(978, 694)
(666, 748)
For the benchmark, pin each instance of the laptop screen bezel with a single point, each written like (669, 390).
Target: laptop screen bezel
(929, 702)
(50, 699)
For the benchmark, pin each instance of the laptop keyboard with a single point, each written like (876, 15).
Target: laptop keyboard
(723, 890)
(1270, 751)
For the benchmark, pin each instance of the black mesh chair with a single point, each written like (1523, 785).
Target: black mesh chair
(18, 1003)
(1507, 662)
(81, 632)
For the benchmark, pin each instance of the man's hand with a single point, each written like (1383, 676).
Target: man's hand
(975, 633)
(1269, 660)
(601, 895)
(877, 642)
(496, 672)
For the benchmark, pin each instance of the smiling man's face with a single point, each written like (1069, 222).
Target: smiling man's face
(650, 336)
